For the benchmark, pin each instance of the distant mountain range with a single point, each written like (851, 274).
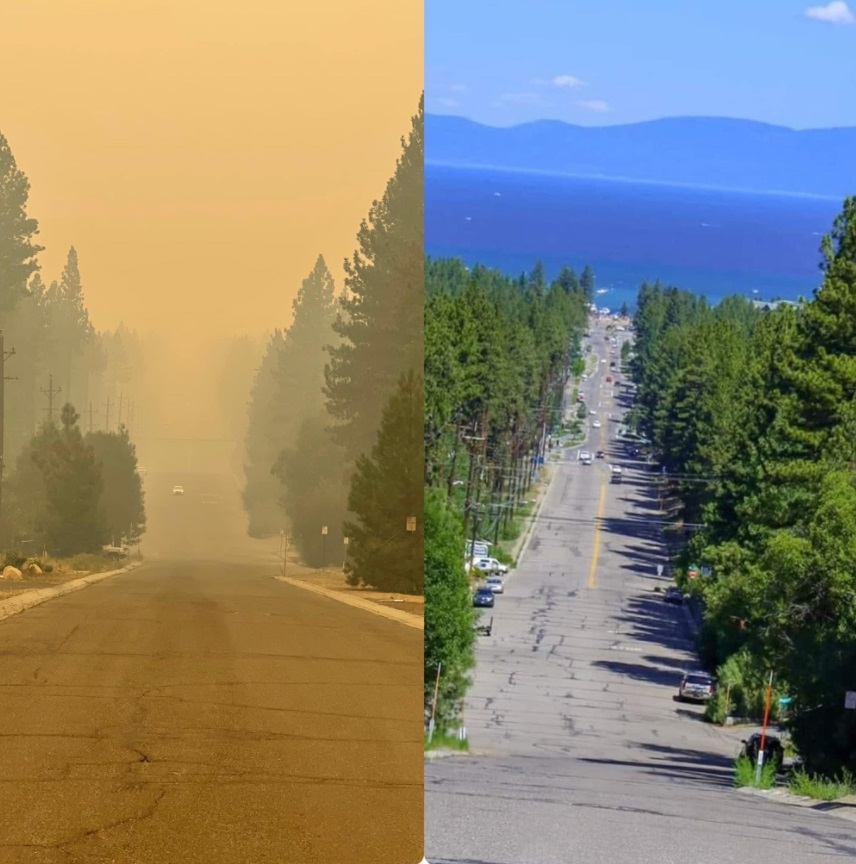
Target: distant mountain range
(706, 151)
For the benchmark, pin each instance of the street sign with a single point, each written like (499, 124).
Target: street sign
(324, 529)
(850, 700)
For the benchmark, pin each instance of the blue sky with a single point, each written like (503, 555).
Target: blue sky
(598, 62)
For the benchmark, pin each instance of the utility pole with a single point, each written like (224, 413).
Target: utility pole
(107, 420)
(50, 393)
(3, 379)
(130, 416)
(91, 412)
(121, 397)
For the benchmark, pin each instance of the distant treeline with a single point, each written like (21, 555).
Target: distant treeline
(754, 417)
(60, 359)
(498, 355)
(334, 432)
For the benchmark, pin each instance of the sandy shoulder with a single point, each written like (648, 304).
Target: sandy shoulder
(333, 579)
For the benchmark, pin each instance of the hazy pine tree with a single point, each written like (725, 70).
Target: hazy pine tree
(262, 490)
(17, 230)
(122, 499)
(386, 490)
(299, 369)
(75, 521)
(381, 320)
(314, 493)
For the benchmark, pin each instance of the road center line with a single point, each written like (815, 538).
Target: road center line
(596, 553)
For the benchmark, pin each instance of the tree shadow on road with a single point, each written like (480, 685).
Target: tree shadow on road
(676, 663)
(640, 672)
(680, 764)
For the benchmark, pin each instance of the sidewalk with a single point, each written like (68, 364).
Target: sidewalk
(408, 609)
(20, 602)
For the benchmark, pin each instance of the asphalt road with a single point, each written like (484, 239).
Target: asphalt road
(197, 710)
(579, 752)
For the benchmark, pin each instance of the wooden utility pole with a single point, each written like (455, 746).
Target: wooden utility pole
(121, 398)
(92, 411)
(130, 417)
(50, 393)
(107, 420)
(3, 379)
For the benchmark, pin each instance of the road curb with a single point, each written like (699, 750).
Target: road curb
(783, 796)
(366, 605)
(545, 488)
(29, 599)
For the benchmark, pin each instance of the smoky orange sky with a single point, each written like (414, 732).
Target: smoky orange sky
(199, 155)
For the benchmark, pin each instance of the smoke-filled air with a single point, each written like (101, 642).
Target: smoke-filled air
(211, 431)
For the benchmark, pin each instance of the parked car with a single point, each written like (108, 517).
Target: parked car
(490, 565)
(696, 687)
(673, 595)
(495, 584)
(585, 457)
(483, 597)
(773, 750)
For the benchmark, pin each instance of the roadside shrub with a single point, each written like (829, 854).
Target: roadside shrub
(13, 559)
(822, 788)
(741, 688)
(744, 774)
(91, 563)
(825, 737)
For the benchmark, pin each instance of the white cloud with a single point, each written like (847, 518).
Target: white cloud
(446, 102)
(597, 105)
(458, 88)
(836, 12)
(569, 82)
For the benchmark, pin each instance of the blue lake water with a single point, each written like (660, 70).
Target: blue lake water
(711, 242)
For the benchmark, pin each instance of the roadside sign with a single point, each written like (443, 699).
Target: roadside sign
(850, 700)
(323, 529)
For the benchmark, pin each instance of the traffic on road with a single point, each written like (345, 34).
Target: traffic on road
(584, 719)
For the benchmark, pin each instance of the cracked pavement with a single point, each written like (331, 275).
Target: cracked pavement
(579, 752)
(198, 710)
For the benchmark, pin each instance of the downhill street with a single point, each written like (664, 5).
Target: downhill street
(196, 710)
(579, 752)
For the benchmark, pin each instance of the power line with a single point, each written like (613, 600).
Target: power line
(50, 393)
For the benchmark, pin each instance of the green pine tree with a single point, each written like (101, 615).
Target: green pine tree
(449, 613)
